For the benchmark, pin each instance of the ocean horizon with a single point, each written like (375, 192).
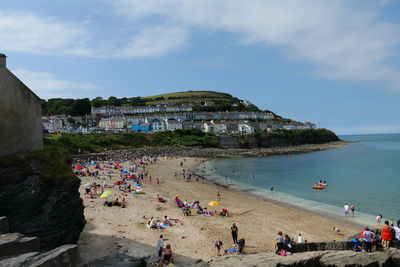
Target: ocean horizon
(363, 173)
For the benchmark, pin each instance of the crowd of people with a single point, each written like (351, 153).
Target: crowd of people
(131, 180)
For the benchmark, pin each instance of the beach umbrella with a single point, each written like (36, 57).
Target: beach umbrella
(106, 193)
(213, 203)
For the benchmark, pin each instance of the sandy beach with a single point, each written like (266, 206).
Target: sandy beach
(113, 229)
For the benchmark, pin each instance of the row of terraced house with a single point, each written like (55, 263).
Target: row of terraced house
(152, 119)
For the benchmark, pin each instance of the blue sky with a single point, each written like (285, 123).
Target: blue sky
(335, 63)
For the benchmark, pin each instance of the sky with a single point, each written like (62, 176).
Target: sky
(334, 63)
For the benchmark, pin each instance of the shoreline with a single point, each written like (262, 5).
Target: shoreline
(210, 153)
(116, 230)
(253, 193)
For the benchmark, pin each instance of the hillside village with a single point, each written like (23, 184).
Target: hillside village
(171, 115)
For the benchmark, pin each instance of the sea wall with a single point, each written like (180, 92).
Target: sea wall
(20, 115)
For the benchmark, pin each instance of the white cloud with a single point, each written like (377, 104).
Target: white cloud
(28, 32)
(344, 40)
(46, 85)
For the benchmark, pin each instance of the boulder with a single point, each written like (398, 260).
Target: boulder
(13, 244)
(50, 211)
(4, 225)
(62, 256)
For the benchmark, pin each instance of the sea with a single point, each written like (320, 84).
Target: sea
(365, 173)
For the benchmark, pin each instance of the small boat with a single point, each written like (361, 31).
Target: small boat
(323, 184)
(319, 187)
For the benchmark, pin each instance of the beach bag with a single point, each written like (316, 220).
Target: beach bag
(282, 252)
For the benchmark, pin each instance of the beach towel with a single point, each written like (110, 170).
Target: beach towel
(232, 250)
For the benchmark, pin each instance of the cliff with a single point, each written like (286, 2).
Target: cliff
(39, 195)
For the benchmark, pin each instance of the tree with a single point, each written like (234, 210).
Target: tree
(113, 101)
(81, 107)
(98, 102)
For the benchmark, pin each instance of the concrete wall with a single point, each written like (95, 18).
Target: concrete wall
(20, 115)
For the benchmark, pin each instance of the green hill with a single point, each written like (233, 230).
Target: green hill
(198, 99)
(191, 97)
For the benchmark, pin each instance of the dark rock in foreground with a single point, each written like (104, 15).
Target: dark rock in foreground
(66, 255)
(389, 258)
(51, 212)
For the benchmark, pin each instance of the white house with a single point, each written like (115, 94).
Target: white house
(47, 125)
(57, 123)
(245, 128)
(173, 125)
(158, 125)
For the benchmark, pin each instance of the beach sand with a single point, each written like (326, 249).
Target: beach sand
(122, 230)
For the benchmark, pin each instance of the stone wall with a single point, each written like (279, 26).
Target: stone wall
(20, 115)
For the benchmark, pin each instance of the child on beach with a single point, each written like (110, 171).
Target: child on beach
(218, 244)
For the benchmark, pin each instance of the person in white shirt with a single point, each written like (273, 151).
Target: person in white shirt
(367, 238)
(346, 209)
(300, 239)
(160, 246)
(379, 219)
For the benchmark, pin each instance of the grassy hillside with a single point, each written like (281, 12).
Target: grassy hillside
(191, 97)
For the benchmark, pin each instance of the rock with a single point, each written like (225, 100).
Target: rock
(51, 212)
(117, 260)
(66, 255)
(21, 260)
(4, 225)
(351, 258)
(13, 244)
(327, 258)
(227, 141)
(314, 246)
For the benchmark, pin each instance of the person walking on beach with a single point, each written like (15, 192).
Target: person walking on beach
(353, 209)
(234, 232)
(379, 219)
(160, 246)
(346, 209)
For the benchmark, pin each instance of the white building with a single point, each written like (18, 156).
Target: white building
(173, 125)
